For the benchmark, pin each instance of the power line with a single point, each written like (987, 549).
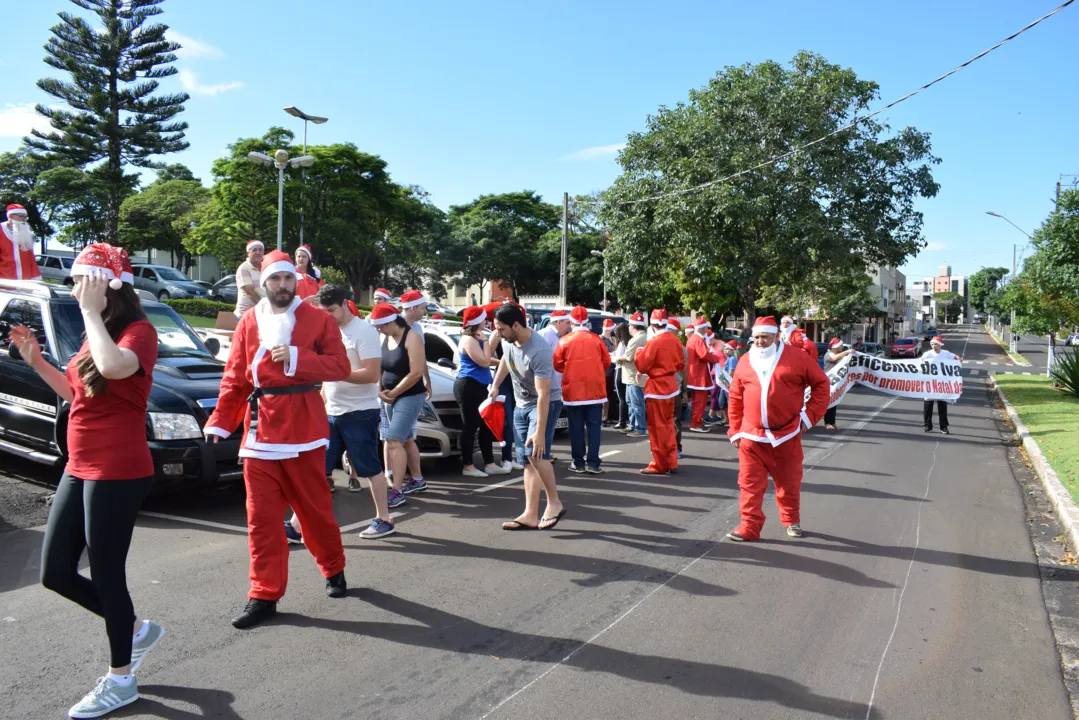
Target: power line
(849, 125)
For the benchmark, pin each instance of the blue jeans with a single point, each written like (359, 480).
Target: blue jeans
(525, 425)
(585, 420)
(638, 419)
(357, 432)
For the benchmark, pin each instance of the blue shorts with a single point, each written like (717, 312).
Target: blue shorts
(356, 432)
(401, 417)
(384, 423)
(525, 424)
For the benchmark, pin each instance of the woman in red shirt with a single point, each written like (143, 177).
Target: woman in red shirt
(308, 277)
(109, 469)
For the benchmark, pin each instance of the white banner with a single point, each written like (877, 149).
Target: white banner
(936, 379)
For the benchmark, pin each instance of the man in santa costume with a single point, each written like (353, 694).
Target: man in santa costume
(582, 358)
(281, 350)
(382, 295)
(17, 260)
(661, 359)
(786, 327)
(767, 419)
(699, 375)
(798, 339)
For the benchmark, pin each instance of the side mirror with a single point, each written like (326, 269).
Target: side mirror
(446, 363)
(213, 345)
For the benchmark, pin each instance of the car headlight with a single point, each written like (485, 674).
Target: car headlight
(428, 414)
(176, 290)
(174, 426)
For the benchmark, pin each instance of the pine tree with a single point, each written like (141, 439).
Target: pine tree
(112, 112)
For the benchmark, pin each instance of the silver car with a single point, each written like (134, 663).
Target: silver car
(165, 282)
(56, 268)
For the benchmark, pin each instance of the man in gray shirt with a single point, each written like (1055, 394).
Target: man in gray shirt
(527, 359)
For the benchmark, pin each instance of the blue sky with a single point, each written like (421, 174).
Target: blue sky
(467, 98)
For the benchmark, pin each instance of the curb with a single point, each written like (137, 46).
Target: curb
(1007, 351)
(1065, 508)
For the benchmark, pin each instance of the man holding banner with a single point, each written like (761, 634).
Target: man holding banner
(936, 351)
(767, 416)
(832, 358)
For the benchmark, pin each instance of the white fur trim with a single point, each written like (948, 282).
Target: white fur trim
(479, 319)
(695, 387)
(575, 329)
(280, 266)
(278, 451)
(414, 303)
(254, 243)
(572, 403)
(382, 321)
(293, 356)
(657, 397)
(638, 323)
(211, 430)
(770, 329)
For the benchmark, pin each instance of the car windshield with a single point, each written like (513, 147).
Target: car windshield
(905, 341)
(175, 338)
(67, 262)
(172, 274)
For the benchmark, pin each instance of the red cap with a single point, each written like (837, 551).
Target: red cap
(937, 340)
(306, 250)
(765, 324)
(412, 298)
(732, 344)
(579, 315)
(702, 322)
(383, 293)
(474, 315)
(251, 244)
(16, 208)
(659, 317)
(674, 323)
(835, 342)
(608, 323)
(637, 320)
(382, 314)
(559, 314)
(104, 260)
(275, 261)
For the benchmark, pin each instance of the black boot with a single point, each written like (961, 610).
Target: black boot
(336, 587)
(255, 612)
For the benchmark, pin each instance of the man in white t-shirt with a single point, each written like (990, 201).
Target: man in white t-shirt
(936, 351)
(249, 289)
(353, 409)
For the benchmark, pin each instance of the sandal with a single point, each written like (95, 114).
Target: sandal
(552, 521)
(518, 525)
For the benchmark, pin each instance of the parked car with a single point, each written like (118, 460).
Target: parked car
(595, 319)
(204, 285)
(906, 347)
(224, 290)
(187, 378)
(56, 267)
(166, 282)
(1072, 340)
(929, 333)
(872, 348)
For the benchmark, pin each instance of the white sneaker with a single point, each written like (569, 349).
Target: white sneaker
(497, 470)
(474, 473)
(104, 698)
(149, 641)
(795, 530)
(507, 466)
(518, 466)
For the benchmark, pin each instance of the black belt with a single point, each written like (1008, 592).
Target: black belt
(253, 398)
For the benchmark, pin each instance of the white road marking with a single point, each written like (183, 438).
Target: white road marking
(497, 485)
(609, 453)
(906, 581)
(196, 521)
(365, 523)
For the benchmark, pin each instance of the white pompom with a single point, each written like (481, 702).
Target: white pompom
(116, 284)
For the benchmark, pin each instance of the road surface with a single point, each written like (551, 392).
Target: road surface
(915, 594)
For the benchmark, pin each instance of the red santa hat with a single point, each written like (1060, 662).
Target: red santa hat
(788, 317)
(382, 294)
(796, 338)
(766, 324)
(637, 320)
(937, 340)
(579, 315)
(437, 316)
(690, 327)
(275, 261)
(608, 324)
(835, 342)
(104, 260)
(306, 250)
(412, 298)
(674, 325)
(559, 315)
(254, 244)
(491, 308)
(732, 344)
(15, 209)
(702, 323)
(382, 314)
(474, 315)
(659, 317)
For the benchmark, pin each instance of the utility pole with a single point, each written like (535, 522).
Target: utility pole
(1011, 328)
(562, 289)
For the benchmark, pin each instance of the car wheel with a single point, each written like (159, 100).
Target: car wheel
(68, 282)
(218, 298)
(163, 295)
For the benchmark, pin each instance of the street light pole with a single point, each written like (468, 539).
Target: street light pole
(280, 160)
(602, 254)
(1013, 343)
(296, 112)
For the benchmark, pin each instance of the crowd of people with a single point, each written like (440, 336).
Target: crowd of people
(309, 381)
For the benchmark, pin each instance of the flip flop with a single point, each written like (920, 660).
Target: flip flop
(553, 521)
(515, 525)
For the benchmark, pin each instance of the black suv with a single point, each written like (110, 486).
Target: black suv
(187, 377)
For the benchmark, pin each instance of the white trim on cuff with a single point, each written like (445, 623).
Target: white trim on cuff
(805, 419)
(211, 430)
(293, 357)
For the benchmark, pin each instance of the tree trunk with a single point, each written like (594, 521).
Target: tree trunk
(749, 300)
(115, 173)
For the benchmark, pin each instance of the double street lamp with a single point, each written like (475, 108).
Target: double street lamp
(603, 255)
(1014, 345)
(296, 112)
(280, 160)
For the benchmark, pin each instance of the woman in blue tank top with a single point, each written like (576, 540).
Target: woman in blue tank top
(470, 389)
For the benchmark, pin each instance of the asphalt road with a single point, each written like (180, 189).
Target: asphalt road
(915, 594)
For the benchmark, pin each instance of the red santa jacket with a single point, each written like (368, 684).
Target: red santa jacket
(307, 286)
(287, 424)
(660, 359)
(768, 406)
(15, 263)
(582, 358)
(698, 375)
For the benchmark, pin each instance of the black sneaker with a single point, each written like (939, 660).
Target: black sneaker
(928, 430)
(336, 587)
(593, 470)
(575, 468)
(945, 431)
(354, 485)
(333, 488)
(255, 612)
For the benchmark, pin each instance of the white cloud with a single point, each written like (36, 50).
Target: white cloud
(192, 48)
(936, 246)
(19, 120)
(599, 152)
(190, 81)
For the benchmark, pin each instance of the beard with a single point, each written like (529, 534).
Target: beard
(21, 235)
(283, 298)
(761, 358)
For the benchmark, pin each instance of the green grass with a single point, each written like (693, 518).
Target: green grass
(199, 322)
(1053, 420)
(1016, 357)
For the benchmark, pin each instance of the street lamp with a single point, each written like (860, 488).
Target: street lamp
(1014, 345)
(296, 112)
(602, 254)
(280, 160)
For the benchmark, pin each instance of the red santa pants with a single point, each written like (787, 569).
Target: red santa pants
(661, 435)
(272, 485)
(700, 404)
(756, 461)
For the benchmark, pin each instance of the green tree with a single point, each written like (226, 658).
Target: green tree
(20, 178)
(846, 201)
(79, 200)
(951, 302)
(838, 296)
(175, 171)
(985, 288)
(111, 110)
(420, 252)
(162, 217)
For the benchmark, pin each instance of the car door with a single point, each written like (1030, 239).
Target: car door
(28, 405)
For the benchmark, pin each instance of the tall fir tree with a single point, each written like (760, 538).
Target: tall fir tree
(112, 112)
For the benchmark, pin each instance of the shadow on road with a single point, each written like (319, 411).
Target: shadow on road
(210, 703)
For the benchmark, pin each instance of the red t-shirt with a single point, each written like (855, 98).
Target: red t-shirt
(106, 433)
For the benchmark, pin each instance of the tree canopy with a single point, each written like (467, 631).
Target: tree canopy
(985, 289)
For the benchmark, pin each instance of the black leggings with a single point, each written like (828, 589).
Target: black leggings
(99, 517)
(470, 395)
(623, 403)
